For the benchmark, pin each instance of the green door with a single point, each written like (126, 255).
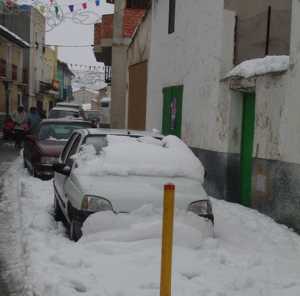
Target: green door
(172, 110)
(248, 125)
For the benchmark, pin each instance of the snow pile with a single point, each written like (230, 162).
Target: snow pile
(125, 156)
(261, 66)
(120, 255)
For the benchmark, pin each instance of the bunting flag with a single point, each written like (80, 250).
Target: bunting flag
(71, 7)
(84, 5)
(97, 2)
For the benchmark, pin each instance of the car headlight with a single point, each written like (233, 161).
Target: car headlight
(48, 160)
(95, 204)
(202, 208)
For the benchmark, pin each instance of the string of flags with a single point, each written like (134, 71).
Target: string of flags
(86, 67)
(54, 4)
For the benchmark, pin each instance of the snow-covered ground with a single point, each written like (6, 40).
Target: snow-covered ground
(248, 255)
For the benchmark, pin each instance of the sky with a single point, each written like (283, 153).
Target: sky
(71, 33)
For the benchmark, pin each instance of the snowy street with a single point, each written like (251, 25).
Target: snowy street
(119, 255)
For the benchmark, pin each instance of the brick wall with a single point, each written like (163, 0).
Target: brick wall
(104, 29)
(132, 17)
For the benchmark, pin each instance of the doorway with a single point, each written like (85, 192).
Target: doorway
(172, 110)
(247, 138)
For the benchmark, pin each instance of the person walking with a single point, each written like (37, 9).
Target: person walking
(20, 120)
(33, 120)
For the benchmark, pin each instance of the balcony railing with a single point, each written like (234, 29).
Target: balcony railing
(107, 74)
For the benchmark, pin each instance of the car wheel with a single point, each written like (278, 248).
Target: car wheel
(75, 230)
(58, 214)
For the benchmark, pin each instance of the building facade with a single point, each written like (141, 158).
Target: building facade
(30, 25)
(64, 77)
(49, 86)
(13, 86)
(112, 37)
(84, 96)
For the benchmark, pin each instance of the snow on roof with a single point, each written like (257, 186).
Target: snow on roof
(261, 66)
(105, 100)
(15, 36)
(130, 156)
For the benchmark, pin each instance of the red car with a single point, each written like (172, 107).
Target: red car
(42, 149)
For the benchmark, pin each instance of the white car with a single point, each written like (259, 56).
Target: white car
(62, 112)
(121, 171)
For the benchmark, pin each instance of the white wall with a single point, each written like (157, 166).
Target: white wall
(192, 56)
(290, 122)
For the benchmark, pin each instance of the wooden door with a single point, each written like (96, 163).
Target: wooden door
(137, 96)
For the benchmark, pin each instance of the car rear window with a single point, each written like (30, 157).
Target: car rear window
(63, 113)
(59, 131)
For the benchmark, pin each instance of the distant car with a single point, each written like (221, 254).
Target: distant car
(69, 105)
(61, 112)
(42, 149)
(121, 171)
(93, 116)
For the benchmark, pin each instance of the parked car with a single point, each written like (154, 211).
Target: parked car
(120, 171)
(69, 105)
(94, 117)
(61, 112)
(42, 149)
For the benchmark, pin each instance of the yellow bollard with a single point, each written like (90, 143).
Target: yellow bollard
(167, 241)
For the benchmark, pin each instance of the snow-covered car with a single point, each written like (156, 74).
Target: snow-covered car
(121, 171)
(43, 148)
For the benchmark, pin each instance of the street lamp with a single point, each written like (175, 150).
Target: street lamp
(8, 87)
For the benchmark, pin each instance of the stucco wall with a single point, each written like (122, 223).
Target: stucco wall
(290, 125)
(192, 56)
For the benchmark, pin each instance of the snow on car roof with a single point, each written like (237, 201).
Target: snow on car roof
(68, 104)
(144, 156)
(64, 120)
(61, 108)
(107, 131)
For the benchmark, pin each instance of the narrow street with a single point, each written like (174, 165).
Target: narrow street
(7, 155)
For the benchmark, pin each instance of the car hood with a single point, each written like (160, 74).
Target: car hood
(51, 147)
(132, 192)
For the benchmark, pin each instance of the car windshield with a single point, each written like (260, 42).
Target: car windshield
(63, 113)
(59, 131)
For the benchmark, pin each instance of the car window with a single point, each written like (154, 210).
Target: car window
(69, 160)
(67, 148)
(97, 141)
(60, 130)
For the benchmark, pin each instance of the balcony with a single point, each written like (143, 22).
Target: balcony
(14, 72)
(103, 35)
(25, 77)
(103, 32)
(3, 68)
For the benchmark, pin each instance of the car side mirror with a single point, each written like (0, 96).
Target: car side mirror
(62, 168)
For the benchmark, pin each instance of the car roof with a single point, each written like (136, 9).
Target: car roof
(68, 104)
(121, 132)
(61, 108)
(64, 120)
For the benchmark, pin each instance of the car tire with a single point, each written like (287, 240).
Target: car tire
(58, 214)
(75, 230)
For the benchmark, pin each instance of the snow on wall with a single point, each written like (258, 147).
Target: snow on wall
(191, 57)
